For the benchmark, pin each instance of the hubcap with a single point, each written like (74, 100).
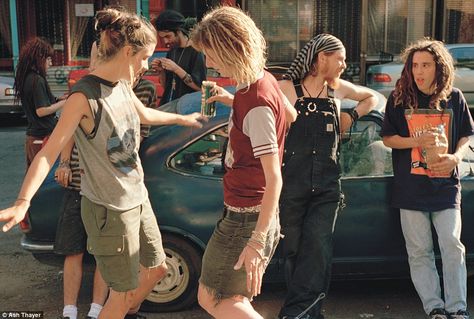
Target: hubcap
(175, 281)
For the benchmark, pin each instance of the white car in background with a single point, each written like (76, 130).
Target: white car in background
(8, 108)
(383, 77)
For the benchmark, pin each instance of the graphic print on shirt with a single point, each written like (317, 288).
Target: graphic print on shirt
(122, 148)
(422, 121)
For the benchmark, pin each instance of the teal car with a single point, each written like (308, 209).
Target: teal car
(183, 174)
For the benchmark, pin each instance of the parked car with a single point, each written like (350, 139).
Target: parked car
(382, 77)
(183, 175)
(8, 107)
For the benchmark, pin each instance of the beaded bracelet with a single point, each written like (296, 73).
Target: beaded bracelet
(64, 163)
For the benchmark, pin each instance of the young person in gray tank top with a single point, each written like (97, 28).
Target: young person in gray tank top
(104, 115)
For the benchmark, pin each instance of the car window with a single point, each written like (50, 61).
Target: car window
(363, 152)
(204, 156)
(463, 57)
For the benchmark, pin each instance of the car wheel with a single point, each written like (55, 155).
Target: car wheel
(178, 289)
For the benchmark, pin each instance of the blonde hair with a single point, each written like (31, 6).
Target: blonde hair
(405, 93)
(119, 28)
(234, 40)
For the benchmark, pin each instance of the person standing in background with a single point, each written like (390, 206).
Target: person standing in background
(71, 238)
(145, 91)
(427, 124)
(37, 100)
(184, 68)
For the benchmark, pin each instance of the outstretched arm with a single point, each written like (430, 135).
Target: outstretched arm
(75, 109)
(155, 117)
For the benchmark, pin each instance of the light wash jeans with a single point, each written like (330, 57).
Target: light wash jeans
(416, 227)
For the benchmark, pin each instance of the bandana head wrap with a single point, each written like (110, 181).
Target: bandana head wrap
(302, 64)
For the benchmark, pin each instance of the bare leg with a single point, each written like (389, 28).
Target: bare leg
(147, 281)
(72, 278)
(100, 289)
(235, 307)
(120, 303)
(117, 304)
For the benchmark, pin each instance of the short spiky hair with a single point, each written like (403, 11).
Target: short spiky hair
(405, 93)
(235, 41)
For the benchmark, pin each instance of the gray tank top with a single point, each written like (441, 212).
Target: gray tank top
(112, 172)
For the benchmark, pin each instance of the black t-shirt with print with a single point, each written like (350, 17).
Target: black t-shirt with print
(419, 191)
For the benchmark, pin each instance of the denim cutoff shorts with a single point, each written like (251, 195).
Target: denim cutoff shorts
(122, 240)
(230, 237)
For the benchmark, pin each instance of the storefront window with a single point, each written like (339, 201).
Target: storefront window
(279, 23)
(459, 17)
(5, 33)
(289, 25)
(393, 24)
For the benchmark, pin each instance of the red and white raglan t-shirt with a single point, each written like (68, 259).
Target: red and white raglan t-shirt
(256, 128)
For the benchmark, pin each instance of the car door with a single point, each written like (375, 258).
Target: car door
(368, 238)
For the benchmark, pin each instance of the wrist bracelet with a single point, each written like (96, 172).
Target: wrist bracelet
(354, 115)
(22, 199)
(187, 79)
(64, 163)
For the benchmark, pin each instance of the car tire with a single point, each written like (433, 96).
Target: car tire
(178, 290)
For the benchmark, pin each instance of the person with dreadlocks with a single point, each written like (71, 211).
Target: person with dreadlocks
(37, 100)
(184, 68)
(311, 194)
(426, 115)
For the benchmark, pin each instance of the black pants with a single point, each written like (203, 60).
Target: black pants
(308, 226)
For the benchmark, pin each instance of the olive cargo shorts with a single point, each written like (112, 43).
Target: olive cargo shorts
(122, 240)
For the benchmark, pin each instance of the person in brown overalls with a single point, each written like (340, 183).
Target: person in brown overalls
(311, 195)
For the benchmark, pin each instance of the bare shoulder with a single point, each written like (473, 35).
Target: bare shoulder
(78, 102)
(77, 109)
(288, 89)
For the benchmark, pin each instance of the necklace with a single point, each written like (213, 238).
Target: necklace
(173, 81)
(304, 86)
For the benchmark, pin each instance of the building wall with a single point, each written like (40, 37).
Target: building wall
(287, 25)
